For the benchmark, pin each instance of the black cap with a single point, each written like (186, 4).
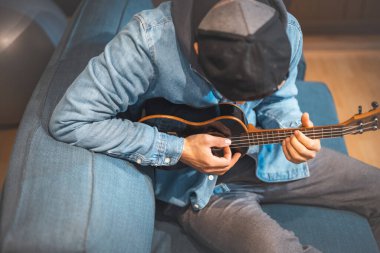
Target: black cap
(243, 49)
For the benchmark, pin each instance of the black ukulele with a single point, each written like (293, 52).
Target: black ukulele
(228, 120)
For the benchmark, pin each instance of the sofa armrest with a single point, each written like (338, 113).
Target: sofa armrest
(68, 188)
(55, 185)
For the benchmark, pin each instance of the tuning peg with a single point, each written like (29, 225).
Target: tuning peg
(375, 105)
(360, 109)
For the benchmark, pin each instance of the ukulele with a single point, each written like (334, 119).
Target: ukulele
(228, 120)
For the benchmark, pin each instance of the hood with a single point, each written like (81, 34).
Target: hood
(187, 15)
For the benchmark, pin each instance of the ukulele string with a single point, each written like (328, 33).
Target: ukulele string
(286, 133)
(248, 143)
(282, 137)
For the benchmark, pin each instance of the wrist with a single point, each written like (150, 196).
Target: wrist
(185, 149)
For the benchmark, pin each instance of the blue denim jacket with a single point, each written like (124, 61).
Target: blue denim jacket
(144, 61)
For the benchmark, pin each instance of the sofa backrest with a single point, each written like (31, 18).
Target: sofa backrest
(90, 30)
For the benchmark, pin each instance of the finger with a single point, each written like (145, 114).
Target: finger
(295, 157)
(221, 162)
(222, 170)
(300, 148)
(227, 153)
(229, 160)
(218, 142)
(235, 158)
(286, 152)
(305, 119)
(309, 143)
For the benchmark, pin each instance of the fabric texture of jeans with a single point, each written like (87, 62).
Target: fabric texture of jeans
(233, 221)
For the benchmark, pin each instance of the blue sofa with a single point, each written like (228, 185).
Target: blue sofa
(38, 161)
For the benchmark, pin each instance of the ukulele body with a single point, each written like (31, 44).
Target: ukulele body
(224, 120)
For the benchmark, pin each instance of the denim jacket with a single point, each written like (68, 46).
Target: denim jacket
(144, 61)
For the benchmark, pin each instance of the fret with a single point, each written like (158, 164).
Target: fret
(250, 141)
(278, 135)
(278, 141)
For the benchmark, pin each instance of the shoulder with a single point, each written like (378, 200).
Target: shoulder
(158, 16)
(294, 30)
(295, 38)
(293, 23)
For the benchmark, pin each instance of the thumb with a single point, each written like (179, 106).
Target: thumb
(305, 119)
(219, 142)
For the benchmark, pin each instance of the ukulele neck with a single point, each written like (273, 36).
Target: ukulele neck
(278, 135)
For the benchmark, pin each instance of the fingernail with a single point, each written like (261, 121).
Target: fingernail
(228, 141)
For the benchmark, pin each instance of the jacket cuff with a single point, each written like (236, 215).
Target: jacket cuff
(169, 149)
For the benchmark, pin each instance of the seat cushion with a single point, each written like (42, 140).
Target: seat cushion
(329, 230)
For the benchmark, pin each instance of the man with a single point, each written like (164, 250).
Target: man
(200, 53)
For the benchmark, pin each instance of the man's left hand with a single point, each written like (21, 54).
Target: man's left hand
(299, 148)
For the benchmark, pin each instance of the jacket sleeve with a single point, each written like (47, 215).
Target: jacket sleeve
(281, 110)
(112, 81)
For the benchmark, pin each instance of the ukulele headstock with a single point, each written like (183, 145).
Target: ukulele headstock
(363, 122)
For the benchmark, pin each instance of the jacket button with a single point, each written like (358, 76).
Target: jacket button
(196, 206)
(167, 160)
(138, 161)
(210, 177)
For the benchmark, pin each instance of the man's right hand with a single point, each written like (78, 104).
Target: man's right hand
(197, 154)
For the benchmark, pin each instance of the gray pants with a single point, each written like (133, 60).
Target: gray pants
(336, 181)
